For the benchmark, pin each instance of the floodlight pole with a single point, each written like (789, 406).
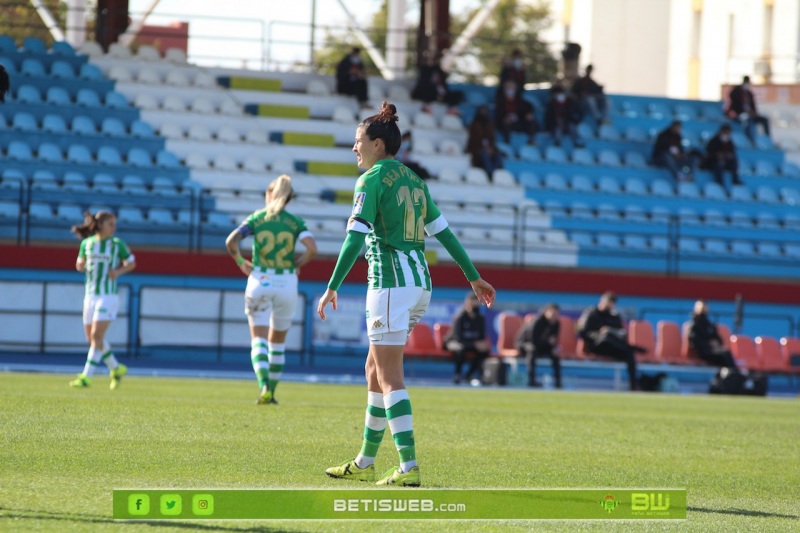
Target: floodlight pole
(76, 22)
(49, 20)
(373, 52)
(469, 32)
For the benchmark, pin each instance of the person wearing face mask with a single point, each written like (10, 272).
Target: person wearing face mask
(481, 144)
(513, 70)
(351, 78)
(561, 116)
(668, 152)
(742, 107)
(721, 157)
(513, 113)
(432, 87)
(590, 96)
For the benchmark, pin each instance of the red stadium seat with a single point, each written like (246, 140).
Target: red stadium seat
(440, 332)
(688, 355)
(421, 344)
(640, 333)
(769, 351)
(668, 342)
(725, 333)
(790, 346)
(567, 338)
(509, 326)
(744, 351)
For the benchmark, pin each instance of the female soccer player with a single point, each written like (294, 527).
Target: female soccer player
(103, 258)
(271, 293)
(392, 211)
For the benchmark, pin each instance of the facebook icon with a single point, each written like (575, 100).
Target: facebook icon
(138, 504)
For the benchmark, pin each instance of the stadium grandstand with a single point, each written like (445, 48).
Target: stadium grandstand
(182, 152)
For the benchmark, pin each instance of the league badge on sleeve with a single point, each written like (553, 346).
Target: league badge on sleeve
(358, 202)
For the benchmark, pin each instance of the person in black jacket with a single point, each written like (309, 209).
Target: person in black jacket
(351, 77)
(742, 107)
(539, 338)
(721, 156)
(705, 340)
(591, 97)
(513, 113)
(668, 152)
(468, 336)
(4, 83)
(562, 116)
(432, 86)
(513, 70)
(603, 333)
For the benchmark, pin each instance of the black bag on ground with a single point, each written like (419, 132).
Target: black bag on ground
(494, 371)
(651, 382)
(727, 382)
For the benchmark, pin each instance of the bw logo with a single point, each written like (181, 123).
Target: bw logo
(377, 324)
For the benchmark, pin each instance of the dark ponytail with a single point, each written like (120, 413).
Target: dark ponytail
(384, 126)
(90, 223)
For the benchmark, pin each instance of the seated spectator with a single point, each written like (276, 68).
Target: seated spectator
(405, 156)
(432, 87)
(513, 70)
(591, 97)
(351, 77)
(721, 157)
(668, 153)
(481, 144)
(513, 113)
(742, 107)
(562, 116)
(4, 83)
(539, 338)
(705, 340)
(468, 336)
(603, 333)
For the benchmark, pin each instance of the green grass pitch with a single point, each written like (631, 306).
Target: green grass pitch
(62, 450)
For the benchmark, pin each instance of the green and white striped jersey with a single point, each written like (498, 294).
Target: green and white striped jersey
(102, 256)
(274, 238)
(393, 207)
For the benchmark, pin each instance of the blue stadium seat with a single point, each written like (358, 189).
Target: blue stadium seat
(530, 179)
(142, 130)
(792, 250)
(44, 181)
(63, 48)
(609, 133)
(659, 244)
(791, 221)
(742, 248)
(133, 184)
(767, 195)
(109, 155)
(581, 210)
(582, 156)
(7, 44)
(714, 217)
(167, 160)
(658, 110)
(220, 220)
(741, 193)
(555, 154)
(581, 238)
(608, 212)
(608, 158)
(765, 220)
(114, 127)
(716, 246)
(32, 67)
(581, 184)
(790, 196)
(660, 214)
(608, 240)
(49, 152)
(28, 94)
(130, 215)
(90, 72)
(768, 249)
(635, 160)
(554, 208)
(688, 245)
(741, 219)
(138, 157)
(555, 182)
(636, 134)
(160, 215)
(684, 112)
(164, 186)
(77, 153)
(40, 210)
(634, 242)
(20, 151)
(76, 182)
(54, 124)
(8, 64)
(631, 108)
(661, 188)
(116, 100)
(688, 216)
(635, 213)
(83, 125)
(24, 122)
(608, 185)
(9, 209)
(530, 153)
(34, 45)
(688, 189)
(88, 98)
(58, 96)
(765, 168)
(185, 217)
(714, 191)
(636, 187)
(105, 183)
(69, 212)
(62, 69)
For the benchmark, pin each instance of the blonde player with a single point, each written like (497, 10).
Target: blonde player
(271, 293)
(104, 258)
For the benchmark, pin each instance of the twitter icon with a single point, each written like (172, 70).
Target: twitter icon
(171, 504)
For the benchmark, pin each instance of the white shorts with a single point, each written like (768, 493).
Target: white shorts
(393, 313)
(100, 308)
(270, 299)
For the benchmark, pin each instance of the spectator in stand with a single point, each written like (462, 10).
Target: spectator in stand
(468, 336)
(742, 107)
(513, 113)
(705, 340)
(481, 143)
(405, 156)
(351, 77)
(513, 70)
(562, 116)
(591, 97)
(668, 153)
(603, 333)
(432, 87)
(721, 157)
(539, 338)
(4, 83)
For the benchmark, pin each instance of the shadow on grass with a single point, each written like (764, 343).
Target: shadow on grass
(26, 514)
(743, 512)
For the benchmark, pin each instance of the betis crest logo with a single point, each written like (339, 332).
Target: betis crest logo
(609, 503)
